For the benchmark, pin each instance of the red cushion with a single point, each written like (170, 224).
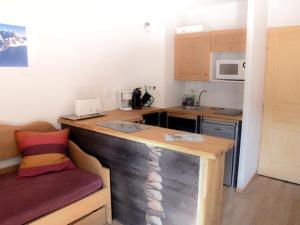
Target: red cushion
(43, 152)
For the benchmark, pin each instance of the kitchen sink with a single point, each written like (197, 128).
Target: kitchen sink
(122, 126)
(193, 108)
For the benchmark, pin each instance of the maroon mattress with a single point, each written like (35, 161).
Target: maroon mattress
(26, 199)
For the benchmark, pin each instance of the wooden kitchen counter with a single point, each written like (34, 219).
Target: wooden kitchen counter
(205, 112)
(183, 179)
(210, 147)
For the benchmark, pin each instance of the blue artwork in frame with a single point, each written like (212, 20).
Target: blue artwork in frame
(13, 46)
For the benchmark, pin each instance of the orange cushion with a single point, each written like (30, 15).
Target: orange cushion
(43, 152)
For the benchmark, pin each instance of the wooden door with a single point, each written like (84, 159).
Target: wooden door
(192, 56)
(280, 146)
(228, 40)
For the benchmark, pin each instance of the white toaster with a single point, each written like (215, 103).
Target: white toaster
(85, 107)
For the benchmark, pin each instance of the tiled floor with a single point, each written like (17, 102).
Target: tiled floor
(265, 202)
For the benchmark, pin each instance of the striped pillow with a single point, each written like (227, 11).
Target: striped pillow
(43, 152)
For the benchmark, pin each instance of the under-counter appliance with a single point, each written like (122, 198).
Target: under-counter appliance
(213, 127)
(230, 69)
(125, 100)
(230, 130)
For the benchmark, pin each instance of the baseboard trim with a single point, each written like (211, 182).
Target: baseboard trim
(241, 190)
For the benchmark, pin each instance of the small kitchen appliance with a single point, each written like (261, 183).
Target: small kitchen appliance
(87, 107)
(125, 100)
(230, 69)
(188, 100)
(136, 99)
(147, 98)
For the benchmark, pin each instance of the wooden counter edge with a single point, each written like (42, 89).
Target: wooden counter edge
(211, 191)
(126, 136)
(189, 113)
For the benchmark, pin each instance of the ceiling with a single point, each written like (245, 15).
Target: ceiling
(214, 2)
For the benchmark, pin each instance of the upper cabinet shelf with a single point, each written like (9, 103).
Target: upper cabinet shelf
(192, 56)
(228, 40)
(193, 51)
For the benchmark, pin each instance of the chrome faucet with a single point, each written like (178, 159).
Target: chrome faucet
(199, 97)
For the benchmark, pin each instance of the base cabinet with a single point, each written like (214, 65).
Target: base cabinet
(155, 185)
(217, 128)
(156, 119)
(183, 124)
(150, 184)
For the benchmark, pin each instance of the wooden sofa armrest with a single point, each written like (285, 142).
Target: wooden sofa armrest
(89, 163)
(83, 160)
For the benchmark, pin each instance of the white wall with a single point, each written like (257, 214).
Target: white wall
(174, 90)
(219, 94)
(88, 50)
(79, 49)
(283, 13)
(227, 15)
(254, 86)
(232, 14)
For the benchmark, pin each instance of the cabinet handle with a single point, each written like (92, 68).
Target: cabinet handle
(218, 129)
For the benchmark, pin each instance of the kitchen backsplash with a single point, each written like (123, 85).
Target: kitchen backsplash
(219, 94)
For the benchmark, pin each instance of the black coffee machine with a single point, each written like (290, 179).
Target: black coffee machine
(136, 99)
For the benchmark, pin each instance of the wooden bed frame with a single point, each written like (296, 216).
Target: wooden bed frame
(93, 209)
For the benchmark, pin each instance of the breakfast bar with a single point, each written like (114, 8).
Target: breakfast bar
(155, 181)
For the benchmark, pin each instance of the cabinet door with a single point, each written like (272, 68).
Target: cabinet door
(219, 130)
(192, 56)
(152, 119)
(177, 123)
(228, 40)
(280, 145)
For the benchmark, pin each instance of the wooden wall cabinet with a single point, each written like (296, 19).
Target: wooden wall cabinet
(228, 40)
(193, 51)
(192, 56)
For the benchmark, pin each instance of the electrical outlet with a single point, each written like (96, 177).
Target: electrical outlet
(150, 87)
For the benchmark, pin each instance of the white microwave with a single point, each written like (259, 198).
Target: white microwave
(230, 69)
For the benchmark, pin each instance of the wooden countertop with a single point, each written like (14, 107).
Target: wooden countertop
(210, 147)
(205, 112)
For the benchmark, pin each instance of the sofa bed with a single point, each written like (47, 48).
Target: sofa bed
(76, 196)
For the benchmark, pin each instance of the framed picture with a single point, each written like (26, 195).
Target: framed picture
(13, 46)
